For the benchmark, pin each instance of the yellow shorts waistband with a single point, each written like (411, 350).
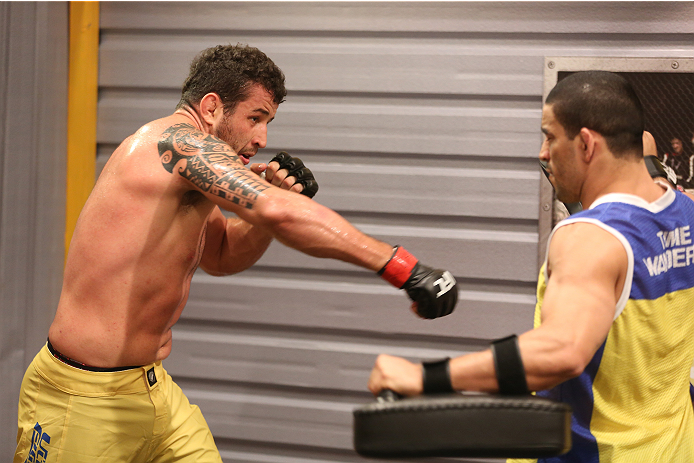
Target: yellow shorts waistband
(96, 383)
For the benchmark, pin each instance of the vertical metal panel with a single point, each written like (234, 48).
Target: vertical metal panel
(82, 101)
(33, 96)
(421, 121)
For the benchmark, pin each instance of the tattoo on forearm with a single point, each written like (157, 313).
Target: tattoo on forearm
(209, 163)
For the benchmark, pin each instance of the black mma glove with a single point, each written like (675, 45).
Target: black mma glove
(296, 169)
(435, 291)
(656, 169)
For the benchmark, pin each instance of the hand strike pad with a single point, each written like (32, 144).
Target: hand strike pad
(296, 169)
(463, 425)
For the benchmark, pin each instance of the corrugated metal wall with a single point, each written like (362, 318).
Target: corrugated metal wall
(421, 123)
(33, 107)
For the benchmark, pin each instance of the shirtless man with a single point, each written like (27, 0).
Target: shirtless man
(97, 391)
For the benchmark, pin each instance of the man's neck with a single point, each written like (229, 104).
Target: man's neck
(193, 115)
(624, 177)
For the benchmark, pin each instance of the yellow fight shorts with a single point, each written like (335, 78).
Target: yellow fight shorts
(70, 415)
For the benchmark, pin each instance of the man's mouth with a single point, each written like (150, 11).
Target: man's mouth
(246, 157)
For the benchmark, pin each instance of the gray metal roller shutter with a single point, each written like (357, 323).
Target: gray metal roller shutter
(421, 123)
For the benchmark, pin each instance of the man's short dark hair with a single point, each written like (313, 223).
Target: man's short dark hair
(604, 102)
(230, 71)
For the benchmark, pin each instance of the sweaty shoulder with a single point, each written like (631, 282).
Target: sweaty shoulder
(181, 144)
(136, 167)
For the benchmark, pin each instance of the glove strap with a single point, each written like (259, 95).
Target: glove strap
(399, 267)
(508, 364)
(656, 169)
(436, 376)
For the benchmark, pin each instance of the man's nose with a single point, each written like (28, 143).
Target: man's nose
(260, 138)
(544, 152)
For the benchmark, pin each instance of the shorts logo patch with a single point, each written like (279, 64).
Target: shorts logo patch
(151, 377)
(38, 453)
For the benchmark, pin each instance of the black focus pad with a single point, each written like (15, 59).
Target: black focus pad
(301, 173)
(435, 291)
(463, 426)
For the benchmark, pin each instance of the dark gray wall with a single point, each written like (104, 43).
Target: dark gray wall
(421, 123)
(33, 107)
(416, 133)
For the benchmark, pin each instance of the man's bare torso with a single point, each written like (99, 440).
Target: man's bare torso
(135, 248)
(140, 236)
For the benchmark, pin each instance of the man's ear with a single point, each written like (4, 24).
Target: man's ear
(587, 143)
(211, 107)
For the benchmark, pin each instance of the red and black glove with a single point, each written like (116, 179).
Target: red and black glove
(435, 291)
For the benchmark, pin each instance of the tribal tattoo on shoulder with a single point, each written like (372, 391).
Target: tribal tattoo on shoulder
(209, 163)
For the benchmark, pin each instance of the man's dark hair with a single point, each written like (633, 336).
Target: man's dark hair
(230, 71)
(604, 102)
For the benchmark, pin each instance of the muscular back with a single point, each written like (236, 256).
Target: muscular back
(135, 248)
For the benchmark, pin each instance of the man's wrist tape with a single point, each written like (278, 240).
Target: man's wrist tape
(508, 364)
(399, 267)
(436, 376)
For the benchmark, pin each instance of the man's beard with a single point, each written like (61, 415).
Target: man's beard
(226, 134)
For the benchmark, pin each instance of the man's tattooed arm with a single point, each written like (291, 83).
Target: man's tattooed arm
(208, 163)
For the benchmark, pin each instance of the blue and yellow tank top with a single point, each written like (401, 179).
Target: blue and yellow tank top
(633, 401)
